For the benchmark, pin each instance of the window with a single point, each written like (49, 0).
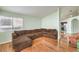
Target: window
(10, 23)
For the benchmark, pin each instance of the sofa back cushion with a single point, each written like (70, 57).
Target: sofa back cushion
(38, 32)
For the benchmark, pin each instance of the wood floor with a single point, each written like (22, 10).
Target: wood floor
(40, 45)
(44, 44)
(7, 47)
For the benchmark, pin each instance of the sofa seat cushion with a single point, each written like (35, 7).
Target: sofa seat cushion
(21, 39)
(22, 42)
(34, 35)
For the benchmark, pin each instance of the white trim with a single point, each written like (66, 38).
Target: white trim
(6, 42)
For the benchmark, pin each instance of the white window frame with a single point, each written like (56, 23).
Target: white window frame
(16, 24)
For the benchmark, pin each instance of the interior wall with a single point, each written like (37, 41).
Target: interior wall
(5, 37)
(30, 22)
(72, 25)
(51, 21)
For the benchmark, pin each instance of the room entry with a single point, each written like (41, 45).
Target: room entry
(75, 26)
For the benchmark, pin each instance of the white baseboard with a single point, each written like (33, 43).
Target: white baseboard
(6, 42)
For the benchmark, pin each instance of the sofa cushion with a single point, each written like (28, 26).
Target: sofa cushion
(34, 35)
(40, 32)
(22, 42)
(19, 33)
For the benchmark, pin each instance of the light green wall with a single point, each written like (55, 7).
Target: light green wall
(51, 21)
(30, 22)
(5, 36)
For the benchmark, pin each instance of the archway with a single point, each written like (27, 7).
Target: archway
(75, 26)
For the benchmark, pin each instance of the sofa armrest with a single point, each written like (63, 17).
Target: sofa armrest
(14, 35)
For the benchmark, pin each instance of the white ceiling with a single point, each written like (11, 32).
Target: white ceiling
(66, 11)
(38, 11)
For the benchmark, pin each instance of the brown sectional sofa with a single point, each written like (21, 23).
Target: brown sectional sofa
(23, 39)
